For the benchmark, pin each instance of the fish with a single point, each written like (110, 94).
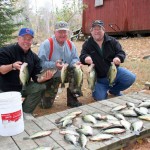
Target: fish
(112, 73)
(91, 77)
(119, 116)
(71, 139)
(89, 118)
(64, 118)
(145, 117)
(141, 110)
(119, 107)
(83, 140)
(98, 116)
(101, 137)
(111, 117)
(66, 123)
(114, 130)
(126, 124)
(75, 113)
(42, 73)
(43, 148)
(38, 134)
(102, 124)
(145, 104)
(137, 127)
(129, 113)
(69, 132)
(63, 74)
(114, 122)
(130, 104)
(24, 74)
(78, 75)
(86, 130)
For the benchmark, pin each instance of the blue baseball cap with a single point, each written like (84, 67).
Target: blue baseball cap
(25, 31)
(98, 23)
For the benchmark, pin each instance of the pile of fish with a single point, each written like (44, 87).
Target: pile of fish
(78, 129)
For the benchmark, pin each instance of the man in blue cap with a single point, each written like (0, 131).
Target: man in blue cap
(11, 59)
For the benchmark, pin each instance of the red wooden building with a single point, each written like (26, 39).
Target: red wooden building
(119, 16)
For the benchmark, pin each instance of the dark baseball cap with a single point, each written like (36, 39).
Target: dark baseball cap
(25, 31)
(98, 23)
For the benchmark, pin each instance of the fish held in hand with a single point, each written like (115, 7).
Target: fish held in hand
(24, 74)
(112, 73)
(91, 77)
(63, 74)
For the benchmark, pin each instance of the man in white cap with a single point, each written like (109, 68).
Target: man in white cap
(11, 59)
(54, 53)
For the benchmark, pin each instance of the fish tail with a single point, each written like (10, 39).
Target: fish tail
(136, 132)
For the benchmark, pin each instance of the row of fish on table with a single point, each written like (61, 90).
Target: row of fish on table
(78, 129)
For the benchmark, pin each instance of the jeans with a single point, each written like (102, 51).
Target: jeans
(124, 80)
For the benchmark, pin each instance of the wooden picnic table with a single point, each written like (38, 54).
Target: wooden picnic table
(56, 140)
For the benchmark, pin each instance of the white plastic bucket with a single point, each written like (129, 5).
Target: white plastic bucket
(11, 115)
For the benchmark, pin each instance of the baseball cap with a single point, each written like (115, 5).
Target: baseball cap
(25, 31)
(61, 25)
(98, 23)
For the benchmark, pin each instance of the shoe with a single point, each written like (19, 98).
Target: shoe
(71, 100)
(119, 94)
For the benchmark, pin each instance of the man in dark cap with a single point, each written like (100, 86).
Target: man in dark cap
(102, 50)
(11, 59)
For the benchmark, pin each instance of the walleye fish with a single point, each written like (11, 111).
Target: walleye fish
(38, 134)
(83, 140)
(112, 74)
(91, 77)
(101, 137)
(89, 118)
(137, 127)
(53, 70)
(24, 74)
(63, 74)
(78, 74)
(71, 139)
(86, 130)
(145, 117)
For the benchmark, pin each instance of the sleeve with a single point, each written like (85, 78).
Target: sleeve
(119, 51)
(43, 54)
(84, 52)
(74, 55)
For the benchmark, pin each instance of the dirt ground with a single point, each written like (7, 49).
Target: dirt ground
(136, 49)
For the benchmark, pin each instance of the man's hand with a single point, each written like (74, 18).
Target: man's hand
(116, 61)
(59, 64)
(88, 60)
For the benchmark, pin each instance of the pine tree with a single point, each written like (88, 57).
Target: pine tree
(8, 20)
